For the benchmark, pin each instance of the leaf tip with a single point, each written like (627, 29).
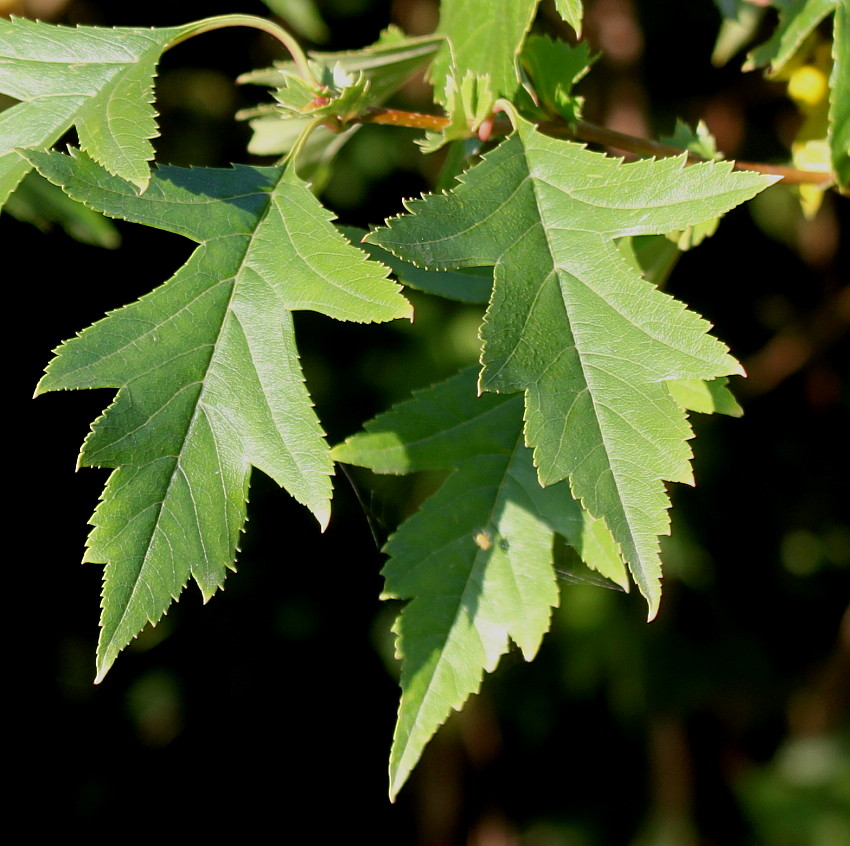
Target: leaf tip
(103, 666)
(652, 610)
(323, 515)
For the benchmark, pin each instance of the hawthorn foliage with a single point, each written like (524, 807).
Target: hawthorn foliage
(578, 412)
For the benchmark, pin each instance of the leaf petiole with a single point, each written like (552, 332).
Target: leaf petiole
(221, 21)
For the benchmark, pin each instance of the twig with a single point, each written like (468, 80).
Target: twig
(592, 133)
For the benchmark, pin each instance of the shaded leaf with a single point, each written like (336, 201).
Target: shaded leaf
(42, 204)
(470, 285)
(797, 20)
(486, 573)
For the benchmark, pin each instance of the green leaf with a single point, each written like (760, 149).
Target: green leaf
(839, 98)
(700, 141)
(471, 285)
(351, 81)
(386, 64)
(705, 397)
(741, 20)
(303, 16)
(797, 20)
(652, 256)
(485, 38)
(468, 104)
(99, 80)
(554, 67)
(207, 372)
(42, 204)
(486, 573)
(574, 326)
(571, 12)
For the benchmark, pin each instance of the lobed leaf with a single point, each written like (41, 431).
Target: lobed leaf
(486, 574)
(573, 325)
(99, 80)
(207, 371)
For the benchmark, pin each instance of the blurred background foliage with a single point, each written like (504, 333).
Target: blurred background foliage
(269, 713)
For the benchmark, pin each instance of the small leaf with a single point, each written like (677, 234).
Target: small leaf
(554, 67)
(571, 12)
(352, 81)
(485, 37)
(712, 397)
(207, 372)
(468, 104)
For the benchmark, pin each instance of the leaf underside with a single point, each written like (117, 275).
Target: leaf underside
(576, 328)
(207, 371)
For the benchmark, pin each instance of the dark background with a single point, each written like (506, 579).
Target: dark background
(269, 712)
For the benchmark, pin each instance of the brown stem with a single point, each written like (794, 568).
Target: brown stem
(590, 132)
(412, 120)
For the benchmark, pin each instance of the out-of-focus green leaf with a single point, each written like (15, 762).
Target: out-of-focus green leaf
(797, 20)
(712, 397)
(740, 24)
(839, 98)
(42, 204)
(486, 573)
(303, 16)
